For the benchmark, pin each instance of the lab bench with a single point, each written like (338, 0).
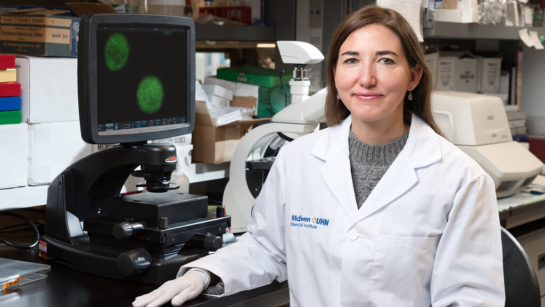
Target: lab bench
(65, 287)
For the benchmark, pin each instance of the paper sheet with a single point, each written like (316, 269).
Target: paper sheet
(523, 34)
(410, 9)
(535, 40)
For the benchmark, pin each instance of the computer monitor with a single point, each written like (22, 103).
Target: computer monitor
(136, 77)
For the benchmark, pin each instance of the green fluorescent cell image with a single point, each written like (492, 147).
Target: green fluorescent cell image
(116, 51)
(167, 33)
(150, 94)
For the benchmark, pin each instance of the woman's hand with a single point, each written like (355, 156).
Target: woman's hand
(180, 290)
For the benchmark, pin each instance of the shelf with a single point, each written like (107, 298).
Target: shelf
(455, 30)
(23, 197)
(234, 33)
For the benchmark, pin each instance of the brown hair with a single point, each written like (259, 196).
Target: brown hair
(335, 110)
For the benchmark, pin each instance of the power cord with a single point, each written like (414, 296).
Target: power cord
(28, 222)
(281, 75)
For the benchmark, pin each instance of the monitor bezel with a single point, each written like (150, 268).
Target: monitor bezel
(87, 76)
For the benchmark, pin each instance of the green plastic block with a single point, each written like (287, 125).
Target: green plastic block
(10, 117)
(253, 75)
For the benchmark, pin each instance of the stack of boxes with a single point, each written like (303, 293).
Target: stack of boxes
(218, 95)
(261, 83)
(49, 100)
(463, 72)
(517, 123)
(47, 138)
(13, 133)
(10, 91)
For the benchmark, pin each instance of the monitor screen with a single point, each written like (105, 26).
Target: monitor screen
(141, 79)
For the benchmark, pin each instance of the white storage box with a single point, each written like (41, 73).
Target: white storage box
(516, 115)
(490, 76)
(13, 155)
(54, 147)
(176, 140)
(517, 123)
(466, 75)
(218, 100)
(446, 74)
(431, 60)
(219, 91)
(238, 89)
(49, 89)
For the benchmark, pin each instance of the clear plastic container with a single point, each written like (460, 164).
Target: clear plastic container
(166, 7)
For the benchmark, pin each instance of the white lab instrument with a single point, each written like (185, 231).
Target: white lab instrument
(302, 116)
(477, 124)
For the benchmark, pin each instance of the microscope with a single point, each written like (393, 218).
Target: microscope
(251, 159)
(136, 82)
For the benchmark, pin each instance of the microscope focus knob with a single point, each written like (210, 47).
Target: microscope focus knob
(207, 241)
(134, 262)
(126, 230)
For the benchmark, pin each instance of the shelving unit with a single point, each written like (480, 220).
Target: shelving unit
(452, 30)
(234, 33)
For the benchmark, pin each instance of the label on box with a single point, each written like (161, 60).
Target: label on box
(35, 34)
(446, 74)
(466, 72)
(491, 75)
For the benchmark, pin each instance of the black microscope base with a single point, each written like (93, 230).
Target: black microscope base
(102, 260)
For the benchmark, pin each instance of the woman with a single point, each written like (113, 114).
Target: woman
(379, 209)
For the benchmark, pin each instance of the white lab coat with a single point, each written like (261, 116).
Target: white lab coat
(428, 234)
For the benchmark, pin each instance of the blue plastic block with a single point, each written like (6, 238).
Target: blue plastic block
(10, 103)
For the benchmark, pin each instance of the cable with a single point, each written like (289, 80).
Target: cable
(28, 222)
(285, 137)
(281, 75)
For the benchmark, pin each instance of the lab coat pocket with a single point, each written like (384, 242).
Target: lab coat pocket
(402, 268)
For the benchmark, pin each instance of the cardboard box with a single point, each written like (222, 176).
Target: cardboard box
(490, 79)
(45, 31)
(448, 15)
(37, 32)
(446, 73)
(213, 144)
(49, 89)
(466, 75)
(13, 155)
(54, 147)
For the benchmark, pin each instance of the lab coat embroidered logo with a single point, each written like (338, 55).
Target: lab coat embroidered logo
(307, 222)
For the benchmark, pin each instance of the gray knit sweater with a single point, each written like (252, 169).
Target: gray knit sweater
(368, 163)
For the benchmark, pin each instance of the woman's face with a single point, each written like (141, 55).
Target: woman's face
(372, 75)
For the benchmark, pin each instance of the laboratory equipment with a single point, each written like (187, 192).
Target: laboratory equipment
(477, 124)
(302, 116)
(136, 82)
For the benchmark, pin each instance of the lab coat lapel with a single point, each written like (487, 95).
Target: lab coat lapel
(333, 148)
(422, 149)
